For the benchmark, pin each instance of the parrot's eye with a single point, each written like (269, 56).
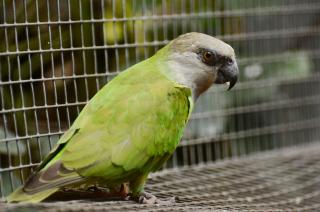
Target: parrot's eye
(208, 58)
(207, 55)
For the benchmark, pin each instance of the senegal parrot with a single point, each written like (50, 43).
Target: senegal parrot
(135, 122)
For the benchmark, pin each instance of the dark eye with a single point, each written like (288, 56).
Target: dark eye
(208, 58)
(207, 55)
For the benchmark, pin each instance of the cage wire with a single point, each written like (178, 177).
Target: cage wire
(55, 55)
(274, 181)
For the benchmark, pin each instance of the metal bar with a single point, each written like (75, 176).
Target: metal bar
(283, 10)
(287, 33)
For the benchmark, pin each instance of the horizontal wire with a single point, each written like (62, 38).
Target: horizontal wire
(269, 34)
(277, 128)
(240, 85)
(279, 104)
(298, 125)
(283, 10)
(253, 108)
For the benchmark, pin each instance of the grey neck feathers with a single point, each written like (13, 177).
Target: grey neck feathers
(197, 80)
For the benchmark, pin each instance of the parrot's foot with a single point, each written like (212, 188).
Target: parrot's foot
(149, 199)
(116, 192)
(124, 190)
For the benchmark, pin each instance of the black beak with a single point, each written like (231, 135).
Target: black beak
(228, 73)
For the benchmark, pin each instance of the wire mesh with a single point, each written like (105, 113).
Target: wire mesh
(277, 181)
(57, 54)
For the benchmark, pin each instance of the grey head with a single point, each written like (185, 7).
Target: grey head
(198, 60)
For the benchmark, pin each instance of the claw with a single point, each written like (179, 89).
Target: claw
(149, 199)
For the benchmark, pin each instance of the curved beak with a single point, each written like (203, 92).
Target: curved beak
(228, 74)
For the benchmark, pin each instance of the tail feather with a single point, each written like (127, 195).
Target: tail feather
(42, 184)
(21, 196)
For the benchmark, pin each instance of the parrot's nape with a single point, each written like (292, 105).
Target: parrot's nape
(135, 122)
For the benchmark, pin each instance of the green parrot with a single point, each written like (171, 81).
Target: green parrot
(135, 122)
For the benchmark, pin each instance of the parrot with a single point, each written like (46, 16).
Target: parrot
(134, 123)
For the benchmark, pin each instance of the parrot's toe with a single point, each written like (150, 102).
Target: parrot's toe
(149, 199)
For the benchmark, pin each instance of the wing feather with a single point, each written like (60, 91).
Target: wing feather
(130, 129)
(132, 124)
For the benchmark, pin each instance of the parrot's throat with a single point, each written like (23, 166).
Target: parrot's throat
(202, 85)
(198, 81)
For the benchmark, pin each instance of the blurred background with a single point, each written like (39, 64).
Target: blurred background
(56, 54)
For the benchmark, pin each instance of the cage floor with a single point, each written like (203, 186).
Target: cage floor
(286, 179)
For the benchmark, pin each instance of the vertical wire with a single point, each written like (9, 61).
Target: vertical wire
(199, 147)
(136, 35)
(72, 60)
(229, 30)
(84, 63)
(284, 138)
(216, 145)
(144, 11)
(249, 139)
(261, 140)
(114, 23)
(165, 31)
(11, 91)
(95, 62)
(6, 131)
(174, 157)
(192, 20)
(106, 56)
(125, 32)
(63, 64)
(1, 186)
(32, 85)
(274, 138)
(183, 12)
(201, 9)
(184, 155)
(53, 67)
(164, 21)
(247, 51)
(307, 134)
(42, 73)
(192, 148)
(21, 92)
(209, 28)
(234, 142)
(30, 70)
(246, 139)
(316, 43)
(174, 21)
(185, 148)
(155, 24)
(256, 140)
(209, 8)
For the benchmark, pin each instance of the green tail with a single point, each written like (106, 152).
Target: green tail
(43, 183)
(20, 196)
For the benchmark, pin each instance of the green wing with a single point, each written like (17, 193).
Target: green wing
(139, 115)
(129, 126)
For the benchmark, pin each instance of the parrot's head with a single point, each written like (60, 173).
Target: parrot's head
(198, 60)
